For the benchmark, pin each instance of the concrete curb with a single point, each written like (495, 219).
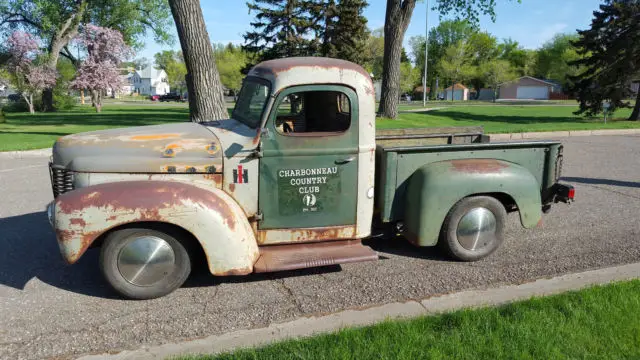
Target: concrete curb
(25, 154)
(561, 134)
(309, 326)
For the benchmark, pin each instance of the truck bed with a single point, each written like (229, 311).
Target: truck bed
(399, 153)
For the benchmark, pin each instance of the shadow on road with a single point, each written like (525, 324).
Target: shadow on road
(28, 250)
(595, 181)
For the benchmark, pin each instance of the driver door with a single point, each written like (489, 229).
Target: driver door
(308, 172)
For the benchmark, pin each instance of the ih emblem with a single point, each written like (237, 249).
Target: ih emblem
(240, 176)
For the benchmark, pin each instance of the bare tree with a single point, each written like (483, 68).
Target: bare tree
(206, 100)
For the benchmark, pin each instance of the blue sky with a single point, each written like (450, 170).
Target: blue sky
(531, 22)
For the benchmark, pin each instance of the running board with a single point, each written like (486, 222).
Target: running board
(300, 256)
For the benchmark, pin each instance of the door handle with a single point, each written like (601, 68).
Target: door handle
(345, 161)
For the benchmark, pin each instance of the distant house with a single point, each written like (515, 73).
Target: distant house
(456, 92)
(127, 87)
(635, 86)
(526, 88)
(6, 90)
(149, 81)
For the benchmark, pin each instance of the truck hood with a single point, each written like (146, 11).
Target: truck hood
(170, 148)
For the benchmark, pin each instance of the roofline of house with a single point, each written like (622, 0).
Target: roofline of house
(530, 77)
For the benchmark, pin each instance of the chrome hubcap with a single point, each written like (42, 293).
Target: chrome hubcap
(476, 229)
(145, 260)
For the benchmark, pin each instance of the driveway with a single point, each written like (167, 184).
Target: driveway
(49, 309)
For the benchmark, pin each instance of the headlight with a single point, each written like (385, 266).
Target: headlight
(51, 212)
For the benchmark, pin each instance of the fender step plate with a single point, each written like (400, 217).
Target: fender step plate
(300, 256)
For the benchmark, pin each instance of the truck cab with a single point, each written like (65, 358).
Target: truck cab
(291, 180)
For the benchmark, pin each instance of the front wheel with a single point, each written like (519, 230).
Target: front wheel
(143, 263)
(474, 228)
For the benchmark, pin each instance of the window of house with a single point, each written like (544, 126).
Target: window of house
(314, 112)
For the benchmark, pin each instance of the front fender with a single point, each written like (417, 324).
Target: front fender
(211, 215)
(434, 188)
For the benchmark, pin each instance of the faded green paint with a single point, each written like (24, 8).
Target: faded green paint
(434, 188)
(302, 183)
(397, 165)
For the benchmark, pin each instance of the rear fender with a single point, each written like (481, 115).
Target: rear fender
(434, 188)
(211, 215)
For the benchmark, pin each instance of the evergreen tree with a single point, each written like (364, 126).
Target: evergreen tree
(345, 30)
(283, 28)
(611, 50)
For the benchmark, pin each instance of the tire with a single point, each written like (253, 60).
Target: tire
(128, 268)
(472, 237)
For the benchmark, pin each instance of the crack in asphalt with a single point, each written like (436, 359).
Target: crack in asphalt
(289, 293)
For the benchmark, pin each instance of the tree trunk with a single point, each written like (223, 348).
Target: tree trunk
(206, 99)
(67, 31)
(635, 114)
(396, 22)
(29, 100)
(96, 99)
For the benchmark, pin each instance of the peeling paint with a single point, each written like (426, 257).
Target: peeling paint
(488, 166)
(279, 236)
(154, 137)
(84, 214)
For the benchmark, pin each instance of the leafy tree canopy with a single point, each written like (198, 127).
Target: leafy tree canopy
(610, 62)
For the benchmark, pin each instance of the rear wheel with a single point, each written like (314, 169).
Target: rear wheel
(474, 228)
(143, 263)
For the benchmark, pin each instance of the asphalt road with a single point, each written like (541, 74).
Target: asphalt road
(49, 309)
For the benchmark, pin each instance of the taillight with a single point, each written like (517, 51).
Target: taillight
(571, 194)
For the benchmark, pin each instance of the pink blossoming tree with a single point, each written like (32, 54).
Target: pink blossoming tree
(28, 77)
(99, 72)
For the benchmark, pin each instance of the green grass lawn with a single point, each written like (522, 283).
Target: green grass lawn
(23, 131)
(513, 118)
(596, 323)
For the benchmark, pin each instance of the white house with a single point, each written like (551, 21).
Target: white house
(149, 81)
(127, 87)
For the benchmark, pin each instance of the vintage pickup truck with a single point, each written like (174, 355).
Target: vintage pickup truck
(295, 179)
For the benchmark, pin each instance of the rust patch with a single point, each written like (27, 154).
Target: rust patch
(306, 235)
(300, 256)
(481, 166)
(154, 137)
(78, 221)
(216, 178)
(146, 197)
(235, 272)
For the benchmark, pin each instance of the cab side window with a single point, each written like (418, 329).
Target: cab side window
(311, 112)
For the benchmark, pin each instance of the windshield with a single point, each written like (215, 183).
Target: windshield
(251, 102)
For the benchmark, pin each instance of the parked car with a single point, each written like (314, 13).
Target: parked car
(171, 97)
(154, 97)
(283, 186)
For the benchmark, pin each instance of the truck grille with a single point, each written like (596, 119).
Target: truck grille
(61, 180)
